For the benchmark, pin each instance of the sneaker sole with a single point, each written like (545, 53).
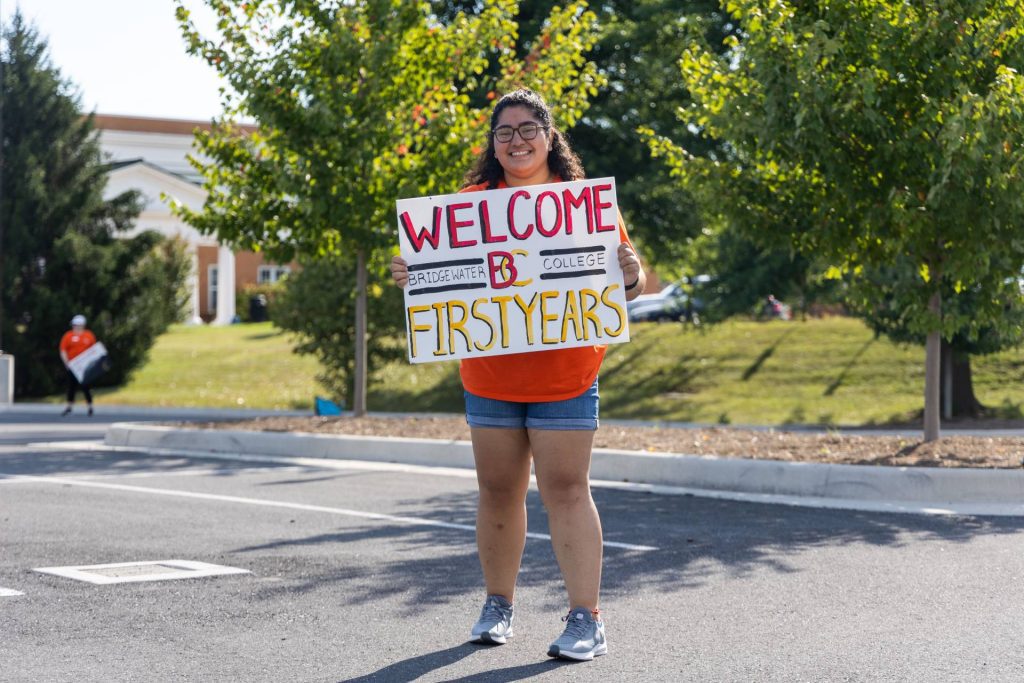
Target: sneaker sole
(491, 639)
(578, 656)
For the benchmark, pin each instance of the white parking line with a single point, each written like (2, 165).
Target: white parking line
(9, 593)
(137, 572)
(411, 521)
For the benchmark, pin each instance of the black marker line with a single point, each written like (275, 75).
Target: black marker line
(575, 273)
(445, 264)
(574, 250)
(447, 288)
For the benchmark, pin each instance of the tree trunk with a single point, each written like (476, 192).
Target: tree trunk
(958, 385)
(946, 381)
(932, 374)
(359, 380)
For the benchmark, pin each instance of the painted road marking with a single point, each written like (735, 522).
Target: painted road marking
(135, 572)
(411, 521)
(9, 593)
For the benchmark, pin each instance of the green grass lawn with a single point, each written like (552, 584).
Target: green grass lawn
(830, 371)
(235, 366)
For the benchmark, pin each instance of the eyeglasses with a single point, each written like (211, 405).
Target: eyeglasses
(527, 131)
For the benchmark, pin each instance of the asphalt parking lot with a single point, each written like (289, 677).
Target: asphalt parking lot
(367, 572)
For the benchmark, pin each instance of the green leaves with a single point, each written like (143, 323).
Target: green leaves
(358, 104)
(59, 252)
(867, 130)
(361, 103)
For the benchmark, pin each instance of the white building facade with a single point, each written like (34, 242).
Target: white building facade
(150, 156)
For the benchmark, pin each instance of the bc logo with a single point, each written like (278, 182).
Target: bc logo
(501, 266)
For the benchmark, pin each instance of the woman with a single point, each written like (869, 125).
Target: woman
(75, 341)
(551, 414)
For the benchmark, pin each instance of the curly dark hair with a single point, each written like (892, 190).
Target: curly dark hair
(562, 161)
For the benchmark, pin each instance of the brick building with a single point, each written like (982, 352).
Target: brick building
(149, 155)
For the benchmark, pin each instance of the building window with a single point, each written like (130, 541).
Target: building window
(211, 289)
(270, 273)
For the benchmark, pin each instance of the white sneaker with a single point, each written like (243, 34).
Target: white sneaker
(495, 622)
(583, 637)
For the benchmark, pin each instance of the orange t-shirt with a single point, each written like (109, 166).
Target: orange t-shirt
(73, 343)
(553, 375)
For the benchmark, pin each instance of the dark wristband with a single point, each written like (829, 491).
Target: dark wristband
(635, 283)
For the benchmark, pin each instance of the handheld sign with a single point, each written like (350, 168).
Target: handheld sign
(89, 364)
(512, 270)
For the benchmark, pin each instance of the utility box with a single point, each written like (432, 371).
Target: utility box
(6, 379)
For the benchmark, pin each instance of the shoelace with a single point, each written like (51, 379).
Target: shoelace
(576, 628)
(492, 611)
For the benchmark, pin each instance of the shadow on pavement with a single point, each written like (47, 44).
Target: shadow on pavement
(42, 463)
(415, 667)
(695, 537)
(516, 673)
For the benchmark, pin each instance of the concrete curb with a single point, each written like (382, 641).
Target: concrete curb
(900, 489)
(147, 412)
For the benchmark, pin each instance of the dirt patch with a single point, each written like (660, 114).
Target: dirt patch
(831, 447)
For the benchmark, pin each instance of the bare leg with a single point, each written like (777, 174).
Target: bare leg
(503, 475)
(562, 464)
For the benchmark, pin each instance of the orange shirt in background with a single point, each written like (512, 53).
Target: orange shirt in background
(74, 343)
(537, 376)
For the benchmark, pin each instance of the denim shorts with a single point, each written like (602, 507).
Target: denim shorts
(571, 414)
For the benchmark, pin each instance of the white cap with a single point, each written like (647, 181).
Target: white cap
(78, 320)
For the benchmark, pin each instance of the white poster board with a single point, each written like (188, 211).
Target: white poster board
(80, 363)
(512, 270)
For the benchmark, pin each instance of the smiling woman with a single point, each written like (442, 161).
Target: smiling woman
(538, 408)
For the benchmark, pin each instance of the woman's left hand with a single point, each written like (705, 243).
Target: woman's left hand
(631, 271)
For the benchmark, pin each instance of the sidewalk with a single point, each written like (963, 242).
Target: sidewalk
(859, 487)
(149, 413)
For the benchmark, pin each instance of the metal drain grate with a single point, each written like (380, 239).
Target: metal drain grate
(134, 572)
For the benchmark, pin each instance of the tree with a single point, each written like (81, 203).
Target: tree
(638, 53)
(746, 272)
(895, 130)
(879, 304)
(59, 253)
(359, 104)
(324, 318)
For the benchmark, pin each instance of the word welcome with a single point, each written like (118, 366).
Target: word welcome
(512, 270)
(565, 206)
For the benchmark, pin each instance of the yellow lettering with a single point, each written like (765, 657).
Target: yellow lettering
(487, 320)
(546, 317)
(414, 328)
(439, 309)
(527, 309)
(588, 311)
(521, 252)
(502, 302)
(458, 325)
(571, 314)
(606, 298)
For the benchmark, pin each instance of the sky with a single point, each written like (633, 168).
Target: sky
(125, 56)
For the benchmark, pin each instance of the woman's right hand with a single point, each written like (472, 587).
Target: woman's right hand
(400, 271)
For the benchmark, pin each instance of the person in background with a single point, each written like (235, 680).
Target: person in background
(75, 341)
(547, 416)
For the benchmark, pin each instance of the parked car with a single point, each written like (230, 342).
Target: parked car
(675, 302)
